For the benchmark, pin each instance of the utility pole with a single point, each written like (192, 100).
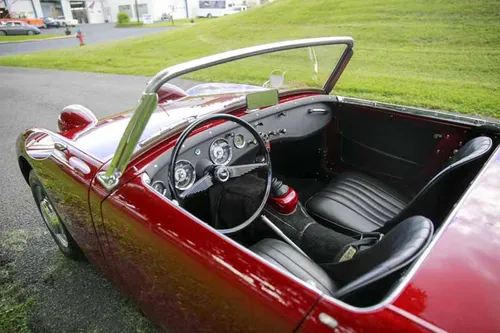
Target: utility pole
(137, 11)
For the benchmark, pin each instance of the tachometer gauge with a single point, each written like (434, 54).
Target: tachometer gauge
(184, 175)
(159, 187)
(239, 141)
(220, 152)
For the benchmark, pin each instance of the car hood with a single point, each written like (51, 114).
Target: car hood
(101, 140)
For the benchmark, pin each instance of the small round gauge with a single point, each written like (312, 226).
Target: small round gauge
(159, 187)
(239, 141)
(184, 175)
(220, 152)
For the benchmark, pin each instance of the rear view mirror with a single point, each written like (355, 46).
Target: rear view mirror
(262, 99)
(39, 145)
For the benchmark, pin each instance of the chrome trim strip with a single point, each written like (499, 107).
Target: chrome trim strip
(435, 114)
(418, 320)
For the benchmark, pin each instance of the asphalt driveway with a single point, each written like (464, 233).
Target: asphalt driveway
(94, 33)
(45, 290)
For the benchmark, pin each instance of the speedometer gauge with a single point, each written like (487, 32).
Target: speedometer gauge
(184, 175)
(239, 141)
(220, 152)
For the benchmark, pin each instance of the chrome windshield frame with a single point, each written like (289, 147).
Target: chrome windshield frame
(109, 179)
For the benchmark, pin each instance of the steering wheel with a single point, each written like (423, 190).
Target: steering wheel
(217, 174)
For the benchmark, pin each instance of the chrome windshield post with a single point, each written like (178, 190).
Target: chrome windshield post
(110, 178)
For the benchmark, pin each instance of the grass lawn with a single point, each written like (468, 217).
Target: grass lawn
(159, 24)
(429, 53)
(26, 37)
(176, 22)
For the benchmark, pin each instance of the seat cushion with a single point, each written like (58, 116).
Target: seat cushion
(356, 202)
(286, 257)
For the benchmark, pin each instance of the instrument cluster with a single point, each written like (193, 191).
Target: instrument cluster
(227, 144)
(220, 152)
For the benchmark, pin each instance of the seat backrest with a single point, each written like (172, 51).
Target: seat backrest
(437, 193)
(399, 248)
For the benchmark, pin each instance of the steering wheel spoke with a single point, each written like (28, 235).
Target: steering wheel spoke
(240, 170)
(203, 184)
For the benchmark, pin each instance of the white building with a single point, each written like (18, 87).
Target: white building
(82, 10)
(100, 11)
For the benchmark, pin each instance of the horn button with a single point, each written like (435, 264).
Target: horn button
(221, 173)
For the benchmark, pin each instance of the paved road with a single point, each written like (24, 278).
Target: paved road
(68, 296)
(94, 33)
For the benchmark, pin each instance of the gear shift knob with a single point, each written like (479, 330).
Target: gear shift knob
(283, 198)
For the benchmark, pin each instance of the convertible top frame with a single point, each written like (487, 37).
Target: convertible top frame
(110, 178)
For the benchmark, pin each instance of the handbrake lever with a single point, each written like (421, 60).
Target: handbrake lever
(282, 235)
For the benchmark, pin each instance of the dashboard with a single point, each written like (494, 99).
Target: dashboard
(229, 143)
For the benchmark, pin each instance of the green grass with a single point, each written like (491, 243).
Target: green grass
(428, 53)
(176, 22)
(26, 37)
(129, 24)
(14, 303)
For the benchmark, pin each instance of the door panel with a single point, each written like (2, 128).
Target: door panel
(402, 148)
(187, 277)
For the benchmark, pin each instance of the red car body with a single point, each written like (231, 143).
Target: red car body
(187, 277)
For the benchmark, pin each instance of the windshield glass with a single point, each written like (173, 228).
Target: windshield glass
(308, 67)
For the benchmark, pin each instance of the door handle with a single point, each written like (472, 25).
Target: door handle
(328, 320)
(319, 111)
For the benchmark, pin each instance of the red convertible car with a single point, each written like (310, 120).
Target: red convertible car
(242, 195)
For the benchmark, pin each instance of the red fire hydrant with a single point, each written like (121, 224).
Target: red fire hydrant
(80, 36)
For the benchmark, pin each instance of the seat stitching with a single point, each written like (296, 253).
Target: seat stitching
(360, 183)
(351, 208)
(371, 219)
(376, 191)
(358, 206)
(367, 200)
(375, 185)
(363, 205)
(379, 203)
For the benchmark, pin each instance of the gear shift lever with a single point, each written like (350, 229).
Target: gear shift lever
(278, 189)
(283, 198)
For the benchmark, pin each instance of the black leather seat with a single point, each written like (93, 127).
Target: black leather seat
(401, 246)
(357, 203)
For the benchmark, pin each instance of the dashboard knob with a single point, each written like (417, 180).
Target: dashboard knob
(282, 131)
(273, 133)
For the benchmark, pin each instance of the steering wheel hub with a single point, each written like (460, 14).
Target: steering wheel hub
(221, 174)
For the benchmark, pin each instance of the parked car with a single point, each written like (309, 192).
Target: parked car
(18, 28)
(235, 10)
(262, 202)
(66, 22)
(49, 22)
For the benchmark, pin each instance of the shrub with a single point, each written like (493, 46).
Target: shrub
(122, 18)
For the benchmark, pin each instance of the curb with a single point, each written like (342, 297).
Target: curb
(37, 40)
